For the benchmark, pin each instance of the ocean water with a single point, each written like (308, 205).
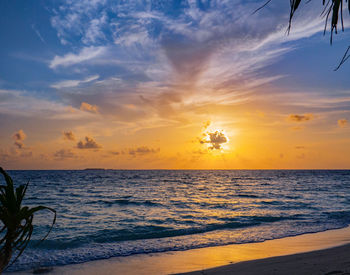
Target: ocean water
(106, 213)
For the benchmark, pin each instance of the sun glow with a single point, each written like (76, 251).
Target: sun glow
(215, 138)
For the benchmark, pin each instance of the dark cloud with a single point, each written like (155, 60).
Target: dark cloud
(215, 139)
(300, 118)
(342, 122)
(89, 143)
(143, 150)
(64, 154)
(19, 144)
(19, 137)
(68, 135)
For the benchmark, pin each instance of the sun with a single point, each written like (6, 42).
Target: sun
(216, 139)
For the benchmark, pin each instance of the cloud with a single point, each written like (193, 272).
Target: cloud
(82, 18)
(88, 107)
(300, 118)
(26, 105)
(342, 123)
(26, 154)
(215, 49)
(70, 59)
(73, 83)
(214, 139)
(19, 144)
(94, 33)
(143, 150)
(64, 154)
(19, 137)
(89, 143)
(68, 135)
(206, 125)
(38, 34)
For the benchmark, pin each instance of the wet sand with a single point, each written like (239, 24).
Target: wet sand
(333, 261)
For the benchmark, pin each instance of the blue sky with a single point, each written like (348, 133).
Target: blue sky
(35, 34)
(133, 65)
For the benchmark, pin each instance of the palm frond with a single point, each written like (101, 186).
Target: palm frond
(17, 221)
(333, 12)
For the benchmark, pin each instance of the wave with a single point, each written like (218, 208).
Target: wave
(34, 258)
(125, 202)
(160, 232)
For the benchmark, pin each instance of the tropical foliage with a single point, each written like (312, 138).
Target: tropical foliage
(332, 12)
(17, 221)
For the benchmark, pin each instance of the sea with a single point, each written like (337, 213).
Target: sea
(116, 213)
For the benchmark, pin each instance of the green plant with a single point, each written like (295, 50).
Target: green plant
(17, 221)
(334, 8)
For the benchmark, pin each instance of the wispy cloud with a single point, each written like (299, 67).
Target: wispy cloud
(21, 103)
(216, 48)
(70, 59)
(38, 33)
(64, 154)
(73, 83)
(143, 150)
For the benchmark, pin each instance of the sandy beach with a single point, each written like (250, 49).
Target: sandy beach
(330, 255)
(326, 262)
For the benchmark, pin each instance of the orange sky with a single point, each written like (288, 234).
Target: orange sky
(188, 87)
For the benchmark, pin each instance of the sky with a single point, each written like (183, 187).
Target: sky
(171, 84)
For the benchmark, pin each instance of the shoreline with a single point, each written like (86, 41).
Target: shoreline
(213, 259)
(329, 261)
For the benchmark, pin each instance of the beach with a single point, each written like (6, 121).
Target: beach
(155, 137)
(326, 262)
(165, 222)
(330, 253)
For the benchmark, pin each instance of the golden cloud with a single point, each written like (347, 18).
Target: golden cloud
(300, 118)
(88, 107)
(68, 135)
(342, 122)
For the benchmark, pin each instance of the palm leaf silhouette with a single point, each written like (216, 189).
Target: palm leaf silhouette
(333, 8)
(17, 221)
